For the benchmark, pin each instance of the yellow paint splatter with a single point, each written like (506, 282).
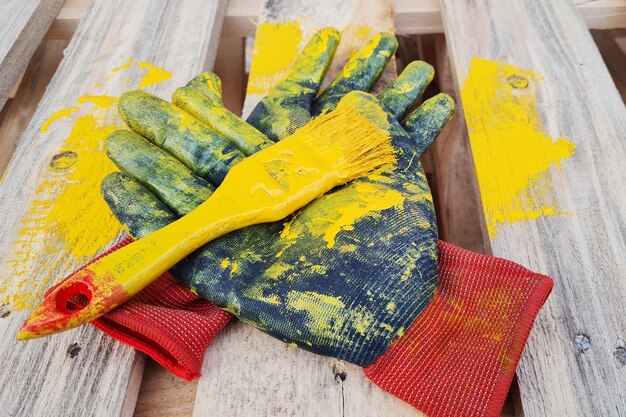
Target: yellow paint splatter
(68, 222)
(154, 75)
(123, 66)
(353, 39)
(100, 101)
(67, 112)
(512, 154)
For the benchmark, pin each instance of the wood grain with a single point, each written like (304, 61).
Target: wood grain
(20, 110)
(23, 24)
(410, 17)
(247, 372)
(571, 364)
(83, 372)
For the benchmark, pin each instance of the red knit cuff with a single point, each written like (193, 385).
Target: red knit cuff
(169, 323)
(459, 356)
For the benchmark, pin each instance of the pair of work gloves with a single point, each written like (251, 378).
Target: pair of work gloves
(358, 274)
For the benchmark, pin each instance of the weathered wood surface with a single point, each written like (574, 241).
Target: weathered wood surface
(574, 362)
(119, 45)
(23, 23)
(20, 110)
(410, 16)
(247, 372)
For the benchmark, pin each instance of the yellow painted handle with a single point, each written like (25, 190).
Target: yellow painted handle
(136, 265)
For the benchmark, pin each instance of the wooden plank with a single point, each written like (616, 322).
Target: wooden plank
(533, 87)
(20, 110)
(23, 24)
(411, 16)
(247, 372)
(52, 218)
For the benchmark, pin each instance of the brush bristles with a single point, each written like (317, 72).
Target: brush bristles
(352, 145)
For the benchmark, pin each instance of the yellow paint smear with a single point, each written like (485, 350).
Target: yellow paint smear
(512, 154)
(276, 48)
(278, 45)
(68, 214)
(68, 222)
(337, 212)
(372, 198)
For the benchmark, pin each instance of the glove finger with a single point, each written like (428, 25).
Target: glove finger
(202, 98)
(425, 123)
(360, 73)
(402, 94)
(166, 177)
(287, 106)
(200, 148)
(310, 68)
(139, 211)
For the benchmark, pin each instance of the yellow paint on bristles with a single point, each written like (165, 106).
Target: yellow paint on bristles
(267, 186)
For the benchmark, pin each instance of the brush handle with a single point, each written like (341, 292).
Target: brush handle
(115, 278)
(138, 264)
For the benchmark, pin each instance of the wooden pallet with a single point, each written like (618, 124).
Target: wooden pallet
(573, 230)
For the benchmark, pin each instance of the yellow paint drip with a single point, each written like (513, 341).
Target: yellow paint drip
(68, 222)
(512, 154)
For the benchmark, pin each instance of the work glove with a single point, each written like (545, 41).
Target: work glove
(154, 319)
(352, 273)
(342, 277)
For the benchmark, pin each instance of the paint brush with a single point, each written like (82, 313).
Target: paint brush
(329, 151)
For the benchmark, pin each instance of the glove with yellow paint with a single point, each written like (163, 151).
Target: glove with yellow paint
(354, 274)
(344, 276)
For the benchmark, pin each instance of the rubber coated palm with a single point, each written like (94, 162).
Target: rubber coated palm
(344, 276)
